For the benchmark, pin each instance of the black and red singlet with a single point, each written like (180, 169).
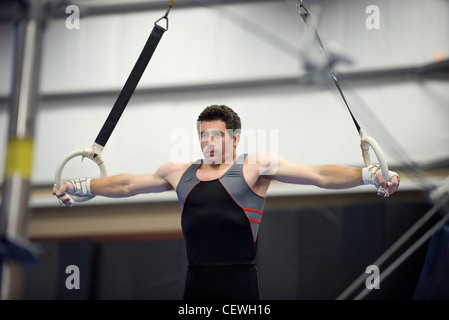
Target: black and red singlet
(220, 222)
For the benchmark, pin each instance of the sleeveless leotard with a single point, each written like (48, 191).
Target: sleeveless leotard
(220, 221)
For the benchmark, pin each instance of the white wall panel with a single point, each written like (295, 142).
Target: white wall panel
(202, 45)
(232, 42)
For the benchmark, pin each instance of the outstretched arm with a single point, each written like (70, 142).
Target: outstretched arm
(329, 176)
(126, 185)
(117, 186)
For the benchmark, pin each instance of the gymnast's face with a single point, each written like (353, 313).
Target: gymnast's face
(217, 143)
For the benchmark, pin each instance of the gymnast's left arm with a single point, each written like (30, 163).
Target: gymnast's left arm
(332, 176)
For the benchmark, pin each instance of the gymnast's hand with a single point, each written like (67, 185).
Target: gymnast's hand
(373, 175)
(61, 193)
(389, 188)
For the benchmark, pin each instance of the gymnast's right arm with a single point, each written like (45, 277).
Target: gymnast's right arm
(115, 186)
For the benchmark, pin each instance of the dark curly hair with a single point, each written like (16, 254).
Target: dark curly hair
(221, 112)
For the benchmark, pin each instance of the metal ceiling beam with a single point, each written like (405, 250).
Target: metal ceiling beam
(387, 75)
(97, 7)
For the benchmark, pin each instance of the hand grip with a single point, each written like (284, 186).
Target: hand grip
(85, 153)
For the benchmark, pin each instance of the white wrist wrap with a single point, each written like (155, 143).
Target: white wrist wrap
(82, 186)
(369, 175)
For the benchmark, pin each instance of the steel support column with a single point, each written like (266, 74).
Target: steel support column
(16, 251)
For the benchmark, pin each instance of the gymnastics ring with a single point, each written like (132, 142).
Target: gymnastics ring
(84, 153)
(366, 143)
